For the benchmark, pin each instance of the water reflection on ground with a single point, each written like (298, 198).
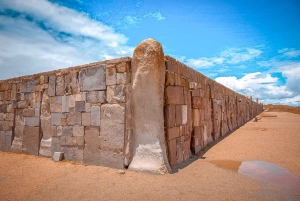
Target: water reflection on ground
(268, 172)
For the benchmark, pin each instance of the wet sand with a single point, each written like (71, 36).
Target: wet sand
(204, 177)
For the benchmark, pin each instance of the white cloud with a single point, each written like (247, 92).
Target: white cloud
(258, 85)
(292, 53)
(204, 62)
(66, 38)
(156, 15)
(238, 55)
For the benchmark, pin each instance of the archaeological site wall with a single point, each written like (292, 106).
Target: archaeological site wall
(146, 113)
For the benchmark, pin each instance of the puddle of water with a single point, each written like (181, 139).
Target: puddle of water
(265, 171)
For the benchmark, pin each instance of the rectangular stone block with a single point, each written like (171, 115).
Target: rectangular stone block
(29, 112)
(65, 103)
(9, 117)
(95, 116)
(32, 121)
(31, 140)
(79, 106)
(72, 101)
(67, 131)
(58, 156)
(92, 79)
(29, 86)
(172, 152)
(60, 86)
(111, 76)
(196, 117)
(121, 78)
(170, 115)
(86, 119)
(71, 141)
(122, 67)
(74, 118)
(51, 86)
(87, 107)
(116, 94)
(112, 128)
(56, 118)
(174, 95)
(96, 97)
(71, 83)
(13, 93)
(2, 140)
(78, 131)
(173, 133)
(178, 115)
(184, 112)
(8, 140)
(1, 96)
(73, 153)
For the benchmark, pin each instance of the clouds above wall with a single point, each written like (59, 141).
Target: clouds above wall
(53, 37)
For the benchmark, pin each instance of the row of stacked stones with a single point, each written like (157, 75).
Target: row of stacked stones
(198, 110)
(79, 111)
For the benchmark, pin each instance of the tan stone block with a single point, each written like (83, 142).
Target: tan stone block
(172, 152)
(178, 115)
(64, 122)
(121, 78)
(196, 117)
(86, 119)
(111, 78)
(170, 115)
(174, 95)
(72, 101)
(77, 97)
(78, 131)
(170, 78)
(122, 67)
(173, 133)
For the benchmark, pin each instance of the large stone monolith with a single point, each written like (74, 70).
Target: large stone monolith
(147, 96)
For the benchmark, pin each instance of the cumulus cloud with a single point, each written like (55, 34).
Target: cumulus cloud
(289, 52)
(259, 85)
(37, 35)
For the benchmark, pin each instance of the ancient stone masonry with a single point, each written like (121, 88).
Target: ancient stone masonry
(148, 113)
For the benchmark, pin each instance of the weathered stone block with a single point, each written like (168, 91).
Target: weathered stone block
(51, 86)
(78, 131)
(178, 115)
(65, 103)
(196, 117)
(92, 79)
(71, 83)
(32, 121)
(112, 129)
(72, 101)
(29, 112)
(79, 106)
(58, 156)
(2, 140)
(172, 152)
(29, 86)
(184, 112)
(8, 140)
(71, 141)
(31, 140)
(170, 115)
(111, 77)
(121, 78)
(58, 108)
(95, 116)
(67, 131)
(9, 117)
(60, 86)
(174, 95)
(96, 97)
(87, 107)
(74, 119)
(116, 94)
(77, 97)
(173, 133)
(56, 118)
(86, 119)
(122, 67)
(55, 145)
(80, 141)
(45, 147)
(73, 153)
(46, 128)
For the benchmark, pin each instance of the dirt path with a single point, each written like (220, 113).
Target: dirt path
(275, 140)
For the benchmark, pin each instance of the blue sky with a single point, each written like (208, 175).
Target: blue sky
(252, 47)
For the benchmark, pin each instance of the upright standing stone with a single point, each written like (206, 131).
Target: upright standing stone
(148, 72)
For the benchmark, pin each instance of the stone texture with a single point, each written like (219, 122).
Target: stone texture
(31, 140)
(32, 121)
(45, 147)
(8, 140)
(58, 156)
(173, 133)
(79, 106)
(148, 72)
(56, 118)
(71, 83)
(2, 140)
(29, 86)
(67, 131)
(86, 119)
(112, 127)
(78, 131)
(60, 86)
(65, 103)
(51, 88)
(111, 76)
(73, 153)
(174, 95)
(96, 97)
(95, 116)
(74, 119)
(92, 79)
(116, 94)
(170, 116)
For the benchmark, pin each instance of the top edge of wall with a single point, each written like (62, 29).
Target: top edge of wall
(72, 68)
(168, 57)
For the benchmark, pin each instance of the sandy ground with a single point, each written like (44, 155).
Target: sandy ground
(271, 139)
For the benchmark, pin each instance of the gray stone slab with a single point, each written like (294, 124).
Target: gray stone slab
(8, 140)
(55, 145)
(29, 86)
(112, 128)
(73, 153)
(51, 87)
(32, 121)
(79, 106)
(65, 103)
(71, 83)
(74, 118)
(31, 140)
(45, 147)
(67, 131)
(56, 118)
(96, 97)
(93, 78)
(58, 156)
(78, 131)
(95, 116)
(58, 99)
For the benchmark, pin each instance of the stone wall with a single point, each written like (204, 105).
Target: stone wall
(79, 111)
(199, 110)
(148, 113)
